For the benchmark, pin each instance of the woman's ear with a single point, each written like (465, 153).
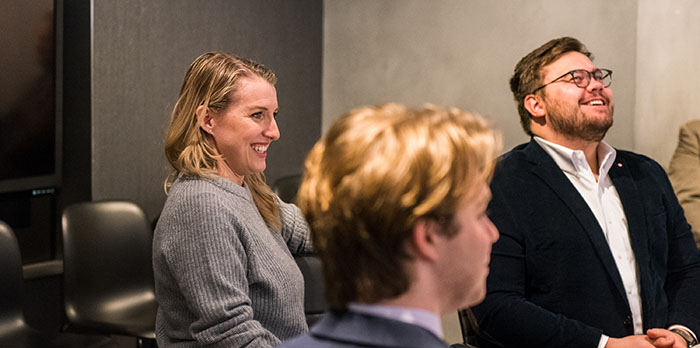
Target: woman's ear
(204, 119)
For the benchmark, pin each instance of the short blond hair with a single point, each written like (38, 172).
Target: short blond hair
(375, 173)
(212, 80)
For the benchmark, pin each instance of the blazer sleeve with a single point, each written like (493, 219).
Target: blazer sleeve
(506, 302)
(682, 282)
(684, 172)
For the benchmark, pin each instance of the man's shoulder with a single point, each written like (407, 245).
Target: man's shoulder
(637, 161)
(632, 156)
(307, 340)
(514, 155)
(515, 163)
(693, 126)
(518, 151)
(351, 329)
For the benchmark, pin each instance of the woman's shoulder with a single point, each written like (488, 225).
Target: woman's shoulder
(188, 185)
(193, 196)
(204, 204)
(190, 195)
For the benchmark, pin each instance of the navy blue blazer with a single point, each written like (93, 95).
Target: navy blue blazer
(553, 280)
(349, 329)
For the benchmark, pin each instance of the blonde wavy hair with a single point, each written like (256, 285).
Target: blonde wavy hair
(375, 173)
(211, 80)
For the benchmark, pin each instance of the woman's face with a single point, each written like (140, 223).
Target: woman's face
(243, 132)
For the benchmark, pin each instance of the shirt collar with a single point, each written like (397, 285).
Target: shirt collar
(574, 161)
(422, 318)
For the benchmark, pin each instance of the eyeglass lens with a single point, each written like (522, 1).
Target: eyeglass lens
(582, 78)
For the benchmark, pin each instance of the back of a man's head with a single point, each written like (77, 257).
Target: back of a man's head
(377, 172)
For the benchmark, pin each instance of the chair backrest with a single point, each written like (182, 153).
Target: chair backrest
(314, 289)
(14, 330)
(469, 326)
(107, 260)
(11, 280)
(286, 187)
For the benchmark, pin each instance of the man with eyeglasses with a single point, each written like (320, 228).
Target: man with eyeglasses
(595, 250)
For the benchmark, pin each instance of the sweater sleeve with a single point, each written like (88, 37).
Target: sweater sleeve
(683, 264)
(295, 229)
(208, 261)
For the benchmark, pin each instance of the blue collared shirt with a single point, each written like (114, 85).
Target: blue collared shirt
(422, 318)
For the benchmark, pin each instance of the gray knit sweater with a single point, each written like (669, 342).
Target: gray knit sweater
(223, 278)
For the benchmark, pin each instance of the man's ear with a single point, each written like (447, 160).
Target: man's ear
(424, 239)
(535, 106)
(204, 119)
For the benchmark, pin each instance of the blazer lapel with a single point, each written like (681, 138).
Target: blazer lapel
(546, 169)
(636, 223)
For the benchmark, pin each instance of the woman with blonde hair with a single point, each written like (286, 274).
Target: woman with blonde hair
(222, 249)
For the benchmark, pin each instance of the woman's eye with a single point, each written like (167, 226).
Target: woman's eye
(257, 115)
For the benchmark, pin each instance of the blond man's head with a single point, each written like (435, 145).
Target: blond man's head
(377, 172)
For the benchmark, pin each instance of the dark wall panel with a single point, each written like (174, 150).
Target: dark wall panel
(141, 49)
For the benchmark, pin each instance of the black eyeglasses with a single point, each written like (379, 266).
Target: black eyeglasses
(582, 78)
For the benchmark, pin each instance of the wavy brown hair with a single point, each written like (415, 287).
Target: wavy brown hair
(211, 80)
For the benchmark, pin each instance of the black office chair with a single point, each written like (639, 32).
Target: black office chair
(286, 187)
(472, 333)
(311, 268)
(108, 277)
(468, 325)
(314, 289)
(14, 330)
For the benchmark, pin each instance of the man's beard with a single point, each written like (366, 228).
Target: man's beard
(572, 123)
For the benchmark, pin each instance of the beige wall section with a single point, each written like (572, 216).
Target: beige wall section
(462, 53)
(451, 328)
(668, 87)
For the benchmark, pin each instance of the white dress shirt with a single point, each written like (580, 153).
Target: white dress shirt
(603, 200)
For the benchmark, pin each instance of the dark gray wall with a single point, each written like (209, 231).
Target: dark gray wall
(141, 50)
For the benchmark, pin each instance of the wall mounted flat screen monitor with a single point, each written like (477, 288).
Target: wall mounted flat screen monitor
(30, 120)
